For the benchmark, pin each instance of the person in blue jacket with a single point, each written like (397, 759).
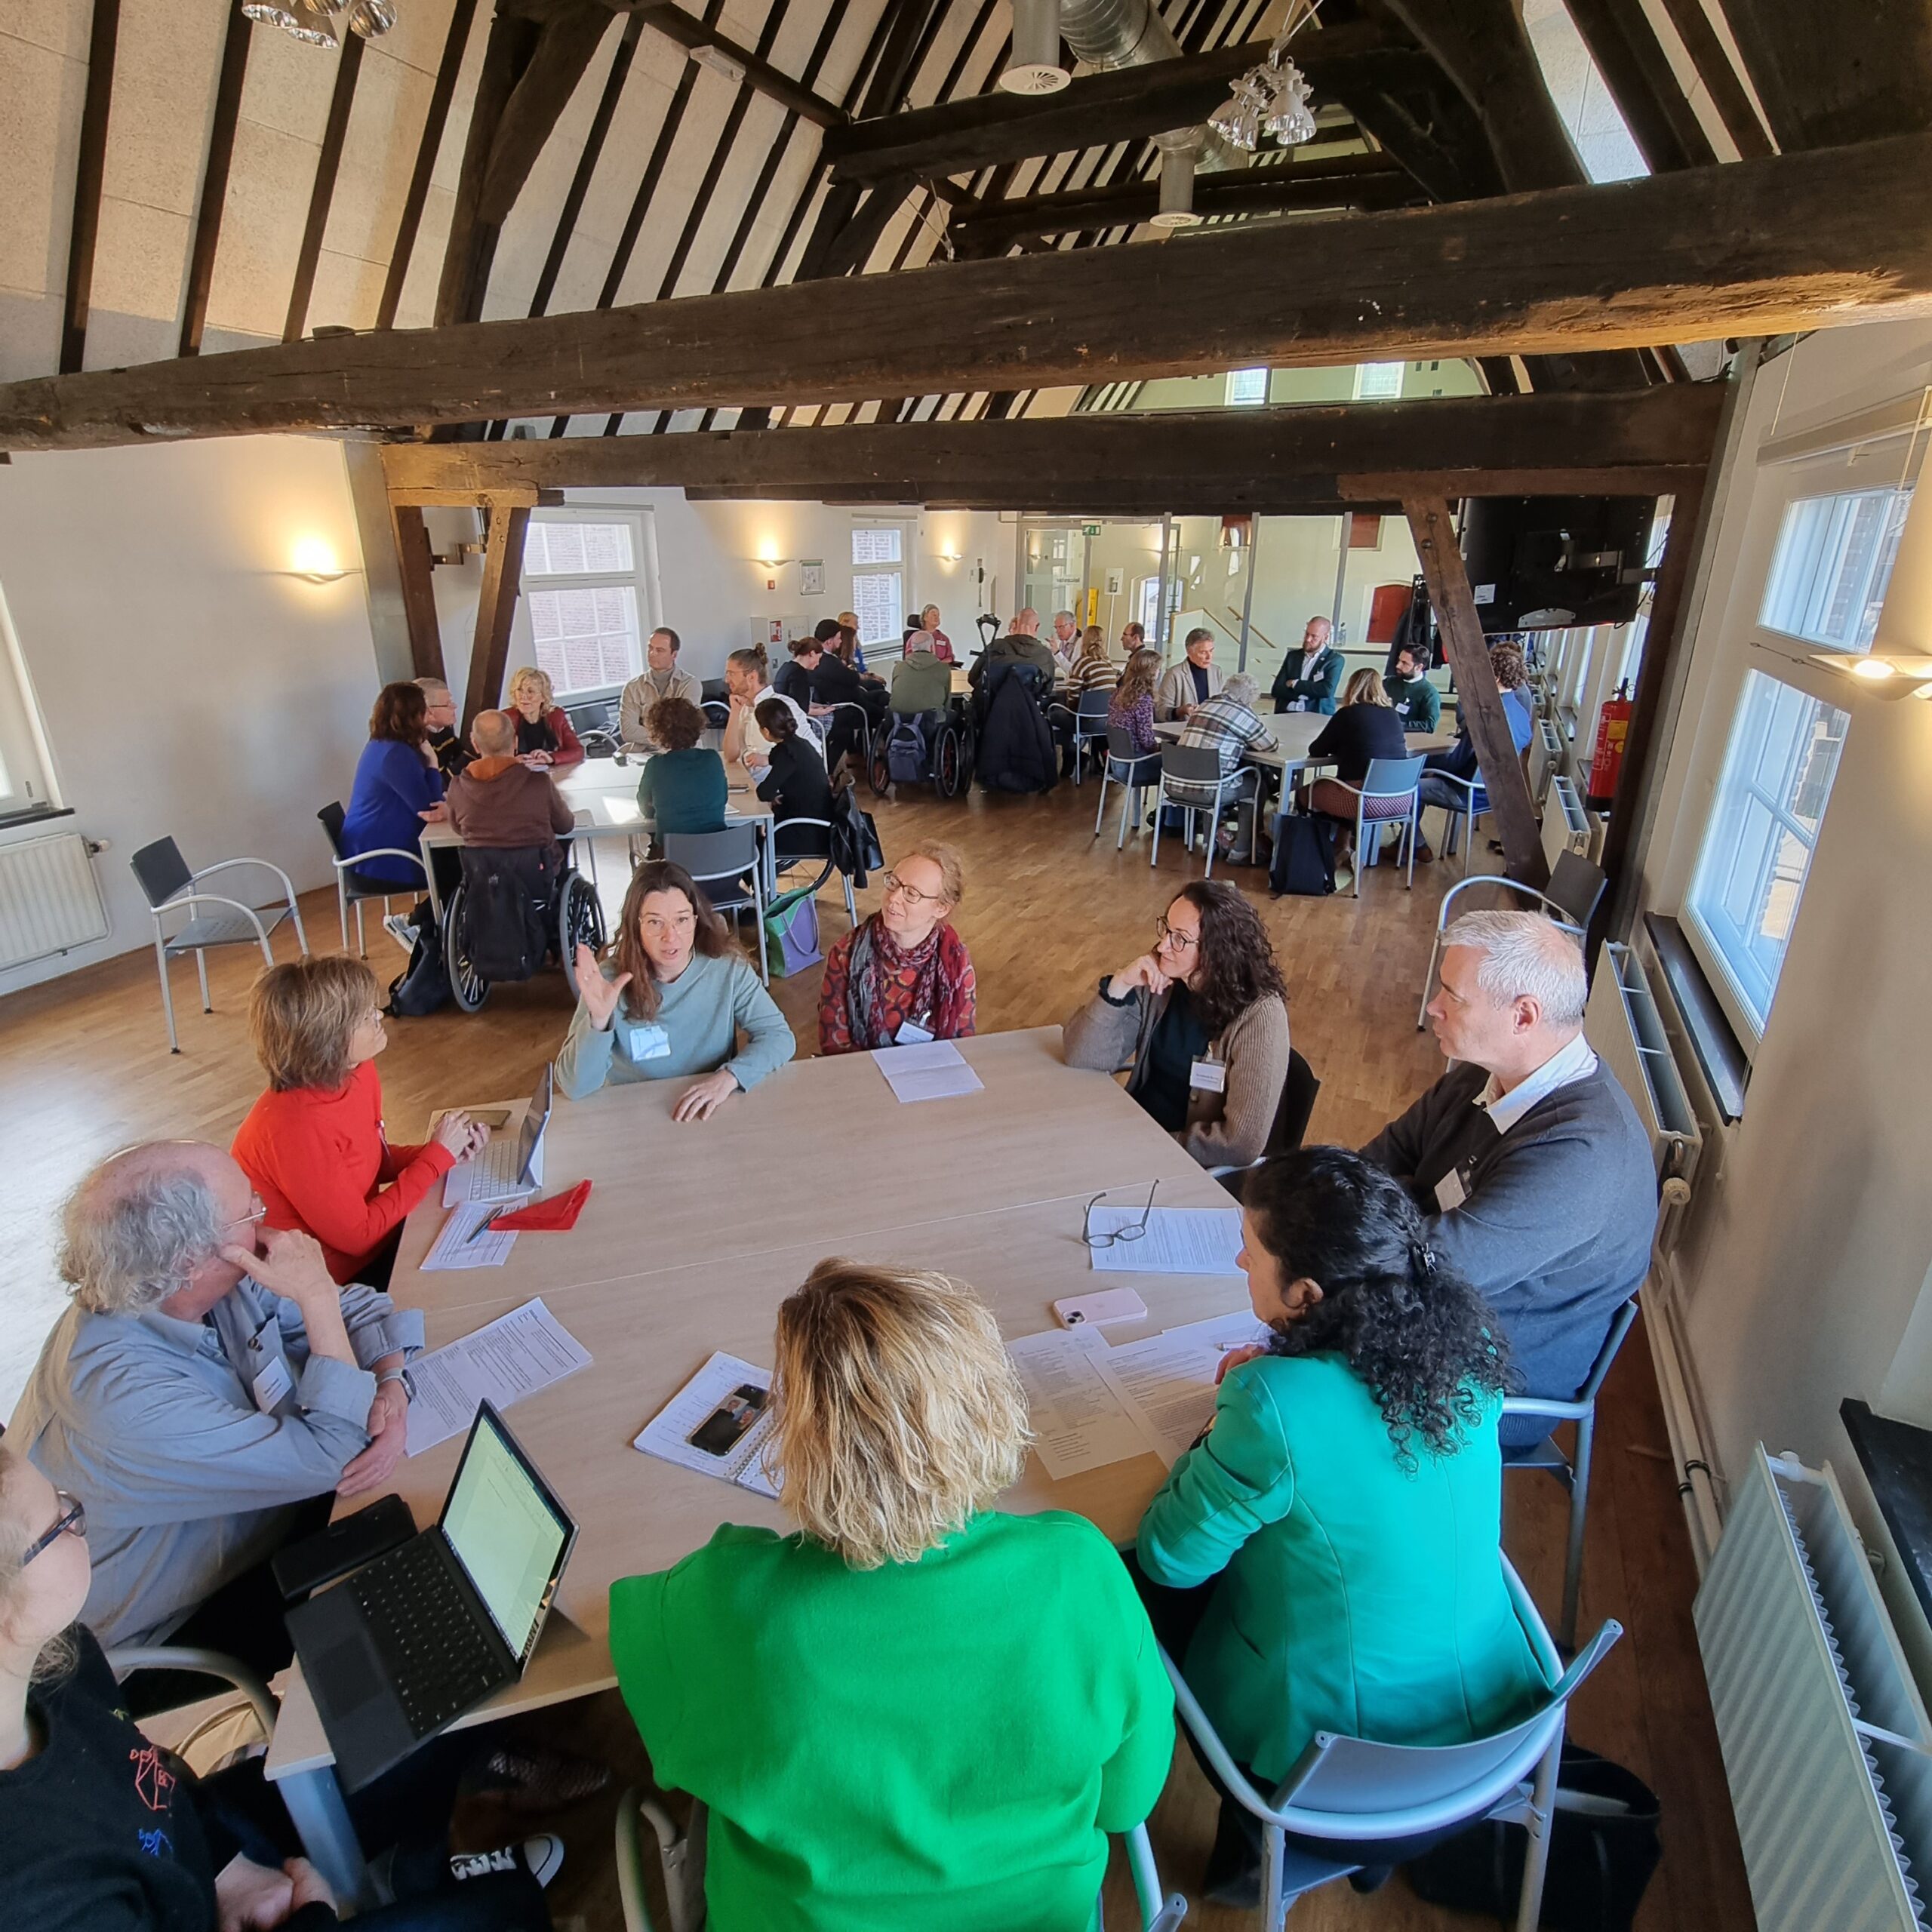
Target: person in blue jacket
(399, 786)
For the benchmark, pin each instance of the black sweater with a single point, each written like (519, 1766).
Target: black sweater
(795, 785)
(1357, 733)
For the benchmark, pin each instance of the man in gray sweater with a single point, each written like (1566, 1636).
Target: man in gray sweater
(1526, 1156)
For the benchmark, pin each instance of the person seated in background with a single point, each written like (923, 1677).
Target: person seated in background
(1064, 641)
(942, 644)
(1512, 680)
(682, 787)
(1131, 708)
(1228, 724)
(209, 1379)
(660, 679)
(1310, 678)
(1416, 702)
(1193, 681)
(1133, 638)
(1092, 668)
(679, 994)
(742, 741)
(101, 1832)
(833, 684)
(977, 1695)
(500, 803)
(439, 715)
(904, 975)
(1460, 760)
(544, 734)
(794, 784)
(845, 643)
(313, 1145)
(1200, 1024)
(1020, 645)
(1527, 1159)
(921, 682)
(1328, 1556)
(1365, 728)
(399, 788)
(792, 680)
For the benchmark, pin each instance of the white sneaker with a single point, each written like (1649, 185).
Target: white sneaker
(398, 928)
(542, 1857)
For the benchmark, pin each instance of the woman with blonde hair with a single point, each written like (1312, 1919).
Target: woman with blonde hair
(914, 1710)
(1366, 726)
(1093, 669)
(313, 1145)
(544, 734)
(902, 976)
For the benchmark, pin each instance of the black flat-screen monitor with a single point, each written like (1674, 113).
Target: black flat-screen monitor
(1541, 563)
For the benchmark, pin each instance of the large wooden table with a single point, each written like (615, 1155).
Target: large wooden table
(1295, 731)
(692, 1236)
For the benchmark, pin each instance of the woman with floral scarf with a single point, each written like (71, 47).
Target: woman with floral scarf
(904, 975)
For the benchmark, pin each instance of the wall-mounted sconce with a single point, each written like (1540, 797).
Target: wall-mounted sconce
(315, 559)
(1883, 673)
(770, 567)
(950, 557)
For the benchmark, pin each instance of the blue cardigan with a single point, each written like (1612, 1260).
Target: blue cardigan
(393, 786)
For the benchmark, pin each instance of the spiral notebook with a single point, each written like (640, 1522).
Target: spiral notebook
(719, 1424)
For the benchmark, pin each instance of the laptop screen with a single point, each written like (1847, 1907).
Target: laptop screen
(536, 1117)
(508, 1532)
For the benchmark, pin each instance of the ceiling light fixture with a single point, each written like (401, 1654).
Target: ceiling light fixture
(1271, 99)
(1884, 673)
(315, 21)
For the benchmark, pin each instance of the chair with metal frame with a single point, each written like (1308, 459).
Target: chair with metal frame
(1474, 803)
(728, 869)
(353, 889)
(865, 747)
(681, 1854)
(1349, 1804)
(1131, 768)
(127, 1658)
(1576, 887)
(170, 886)
(1572, 1470)
(1090, 726)
(782, 861)
(595, 723)
(1389, 794)
(1200, 765)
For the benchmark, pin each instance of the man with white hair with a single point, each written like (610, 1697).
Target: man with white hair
(209, 1380)
(1229, 723)
(1065, 642)
(439, 714)
(1526, 1156)
(1193, 681)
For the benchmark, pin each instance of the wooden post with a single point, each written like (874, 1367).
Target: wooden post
(503, 567)
(419, 596)
(1482, 703)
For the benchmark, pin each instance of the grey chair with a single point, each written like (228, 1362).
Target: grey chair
(1293, 1112)
(729, 869)
(1388, 795)
(782, 861)
(595, 722)
(1576, 887)
(1134, 771)
(681, 1857)
(1089, 726)
(1472, 803)
(170, 887)
(352, 888)
(1198, 767)
(1572, 1470)
(1349, 1804)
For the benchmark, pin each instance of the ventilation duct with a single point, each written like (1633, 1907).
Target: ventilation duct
(1177, 209)
(1035, 67)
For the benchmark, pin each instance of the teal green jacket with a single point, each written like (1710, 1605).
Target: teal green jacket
(1357, 1597)
(1417, 699)
(938, 1744)
(686, 791)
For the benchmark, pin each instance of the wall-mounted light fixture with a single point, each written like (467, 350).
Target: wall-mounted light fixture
(1883, 673)
(770, 567)
(314, 558)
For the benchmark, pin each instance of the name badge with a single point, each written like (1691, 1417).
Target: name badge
(640, 1040)
(1450, 1192)
(910, 1034)
(1208, 1076)
(273, 1385)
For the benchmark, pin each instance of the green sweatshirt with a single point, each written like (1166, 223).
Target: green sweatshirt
(1417, 699)
(702, 1010)
(939, 1743)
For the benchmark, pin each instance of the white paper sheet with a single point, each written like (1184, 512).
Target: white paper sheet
(667, 1435)
(1079, 1420)
(1179, 1240)
(458, 1245)
(512, 1357)
(1167, 1382)
(933, 1070)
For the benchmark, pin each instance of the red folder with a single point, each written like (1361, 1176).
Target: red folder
(556, 1216)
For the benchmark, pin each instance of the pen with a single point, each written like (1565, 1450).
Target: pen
(484, 1226)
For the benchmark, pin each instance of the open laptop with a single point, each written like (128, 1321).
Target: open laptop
(512, 1166)
(407, 1643)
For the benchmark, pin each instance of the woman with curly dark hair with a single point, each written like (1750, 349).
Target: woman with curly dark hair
(1201, 1024)
(1328, 1557)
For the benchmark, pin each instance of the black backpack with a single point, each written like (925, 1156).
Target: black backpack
(1304, 861)
(423, 985)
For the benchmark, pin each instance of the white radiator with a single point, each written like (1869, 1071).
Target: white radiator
(1627, 1030)
(49, 898)
(1827, 1749)
(1546, 761)
(1566, 826)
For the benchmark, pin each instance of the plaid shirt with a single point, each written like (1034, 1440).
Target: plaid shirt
(1232, 728)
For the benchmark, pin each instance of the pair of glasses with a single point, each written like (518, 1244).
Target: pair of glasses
(1133, 1231)
(893, 883)
(1163, 932)
(72, 1521)
(257, 1210)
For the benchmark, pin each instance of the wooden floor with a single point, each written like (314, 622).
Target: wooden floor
(85, 1070)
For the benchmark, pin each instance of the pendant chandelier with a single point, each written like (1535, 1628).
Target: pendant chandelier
(1271, 99)
(315, 21)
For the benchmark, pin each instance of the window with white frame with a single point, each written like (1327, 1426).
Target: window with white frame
(878, 581)
(1379, 382)
(1247, 389)
(23, 786)
(1834, 559)
(588, 597)
(1778, 769)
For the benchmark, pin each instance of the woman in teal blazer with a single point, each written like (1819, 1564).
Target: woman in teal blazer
(1328, 1556)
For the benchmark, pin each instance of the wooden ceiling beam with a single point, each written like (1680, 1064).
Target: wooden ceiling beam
(90, 170)
(213, 195)
(1854, 70)
(1796, 242)
(1714, 67)
(761, 76)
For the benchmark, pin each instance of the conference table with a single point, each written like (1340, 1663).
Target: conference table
(1296, 732)
(692, 1236)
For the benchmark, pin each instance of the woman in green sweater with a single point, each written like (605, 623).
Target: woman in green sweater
(914, 1711)
(678, 996)
(1331, 1549)
(683, 787)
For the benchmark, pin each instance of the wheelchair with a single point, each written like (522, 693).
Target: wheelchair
(923, 747)
(515, 911)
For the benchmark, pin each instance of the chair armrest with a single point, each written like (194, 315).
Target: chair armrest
(126, 1659)
(224, 865)
(1546, 1405)
(250, 913)
(355, 859)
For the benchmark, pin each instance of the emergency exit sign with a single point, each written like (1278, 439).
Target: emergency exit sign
(1090, 530)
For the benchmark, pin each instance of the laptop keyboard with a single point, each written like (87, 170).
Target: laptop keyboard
(439, 1661)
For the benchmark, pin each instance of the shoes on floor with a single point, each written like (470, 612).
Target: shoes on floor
(398, 928)
(542, 1857)
(531, 1778)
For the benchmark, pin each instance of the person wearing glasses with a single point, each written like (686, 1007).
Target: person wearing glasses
(313, 1145)
(1200, 1025)
(210, 1380)
(904, 975)
(676, 997)
(1328, 1556)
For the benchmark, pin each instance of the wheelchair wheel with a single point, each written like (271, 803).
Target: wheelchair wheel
(581, 923)
(468, 986)
(949, 763)
(878, 767)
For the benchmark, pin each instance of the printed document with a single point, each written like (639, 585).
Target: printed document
(934, 1070)
(1167, 1382)
(515, 1356)
(1179, 1240)
(724, 1405)
(458, 1245)
(1079, 1419)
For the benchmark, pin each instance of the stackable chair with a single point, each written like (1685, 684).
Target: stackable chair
(1570, 898)
(1293, 1112)
(352, 888)
(1389, 794)
(1201, 765)
(727, 867)
(1134, 771)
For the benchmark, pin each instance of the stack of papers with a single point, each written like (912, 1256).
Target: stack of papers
(1167, 1382)
(458, 1245)
(935, 1070)
(716, 1386)
(518, 1354)
(1079, 1419)
(1178, 1240)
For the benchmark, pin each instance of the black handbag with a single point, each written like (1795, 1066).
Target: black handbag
(1603, 1848)
(1304, 861)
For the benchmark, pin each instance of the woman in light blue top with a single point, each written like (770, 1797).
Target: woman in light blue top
(679, 996)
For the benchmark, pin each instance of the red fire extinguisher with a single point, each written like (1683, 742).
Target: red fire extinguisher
(1606, 761)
